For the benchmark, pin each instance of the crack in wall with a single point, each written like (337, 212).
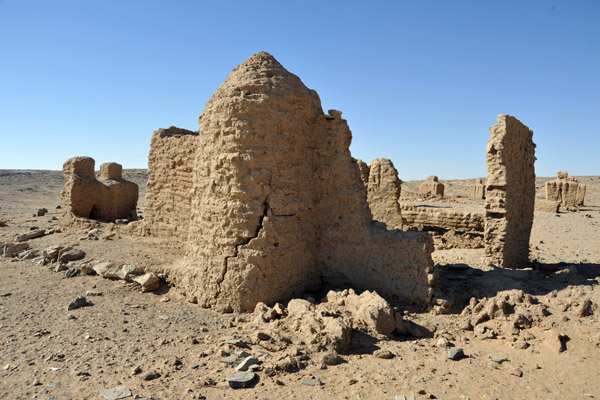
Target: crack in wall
(259, 227)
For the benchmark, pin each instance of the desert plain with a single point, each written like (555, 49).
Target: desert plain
(530, 333)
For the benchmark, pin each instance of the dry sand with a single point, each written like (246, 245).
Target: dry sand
(45, 355)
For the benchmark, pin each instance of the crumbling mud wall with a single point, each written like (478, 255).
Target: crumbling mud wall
(566, 190)
(107, 199)
(170, 182)
(277, 203)
(363, 168)
(509, 193)
(383, 192)
(431, 187)
(477, 190)
(422, 218)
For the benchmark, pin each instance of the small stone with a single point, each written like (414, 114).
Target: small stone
(311, 382)
(455, 354)
(78, 303)
(262, 335)
(246, 362)
(332, 358)
(137, 370)
(73, 272)
(71, 255)
(36, 382)
(443, 342)
(238, 343)
(383, 354)
(71, 316)
(41, 212)
(516, 372)
(149, 282)
(229, 360)
(151, 376)
(93, 293)
(497, 358)
(60, 267)
(241, 380)
(116, 393)
(241, 353)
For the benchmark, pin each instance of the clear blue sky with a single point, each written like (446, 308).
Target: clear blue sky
(420, 82)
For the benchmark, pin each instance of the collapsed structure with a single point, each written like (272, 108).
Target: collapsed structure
(108, 199)
(566, 190)
(431, 187)
(269, 202)
(509, 193)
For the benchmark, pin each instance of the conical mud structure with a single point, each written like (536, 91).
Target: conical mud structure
(277, 203)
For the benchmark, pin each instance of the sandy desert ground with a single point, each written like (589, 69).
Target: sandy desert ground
(536, 333)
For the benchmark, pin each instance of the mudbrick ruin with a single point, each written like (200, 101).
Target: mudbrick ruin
(108, 199)
(509, 193)
(565, 190)
(269, 202)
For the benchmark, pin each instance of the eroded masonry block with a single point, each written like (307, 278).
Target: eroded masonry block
(383, 192)
(431, 187)
(276, 202)
(509, 193)
(424, 217)
(107, 199)
(477, 190)
(566, 190)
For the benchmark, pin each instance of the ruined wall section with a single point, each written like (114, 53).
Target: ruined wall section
(421, 218)
(354, 250)
(251, 232)
(566, 190)
(477, 190)
(383, 192)
(107, 199)
(510, 193)
(278, 206)
(170, 183)
(432, 187)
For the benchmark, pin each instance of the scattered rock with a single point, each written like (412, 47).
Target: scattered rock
(78, 303)
(127, 272)
(71, 255)
(332, 358)
(455, 354)
(151, 376)
(311, 382)
(498, 358)
(72, 272)
(241, 380)
(51, 253)
(71, 316)
(517, 372)
(443, 342)
(246, 362)
(555, 341)
(30, 235)
(116, 393)
(383, 354)
(10, 250)
(93, 293)
(149, 282)
(41, 212)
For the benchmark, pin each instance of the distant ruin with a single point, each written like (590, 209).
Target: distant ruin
(566, 190)
(477, 190)
(108, 199)
(269, 202)
(509, 193)
(431, 187)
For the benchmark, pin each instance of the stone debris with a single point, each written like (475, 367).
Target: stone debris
(51, 253)
(41, 212)
(116, 393)
(78, 303)
(477, 190)
(246, 363)
(276, 212)
(148, 282)
(555, 341)
(510, 193)
(383, 354)
(498, 358)
(455, 354)
(517, 372)
(34, 234)
(12, 249)
(71, 255)
(150, 376)
(241, 380)
(565, 190)
(431, 187)
(311, 382)
(107, 199)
